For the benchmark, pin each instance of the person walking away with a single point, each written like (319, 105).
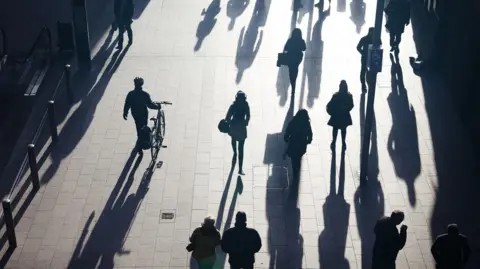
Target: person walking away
(362, 47)
(451, 250)
(124, 17)
(339, 109)
(241, 243)
(203, 242)
(388, 241)
(398, 16)
(238, 117)
(294, 48)
(138, 101)
(297, 136)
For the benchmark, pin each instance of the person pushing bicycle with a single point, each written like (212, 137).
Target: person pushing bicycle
(139, 102)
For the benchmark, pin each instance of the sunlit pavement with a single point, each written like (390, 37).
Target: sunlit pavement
(93, 212)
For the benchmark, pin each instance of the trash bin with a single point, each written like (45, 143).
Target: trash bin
(65, 36)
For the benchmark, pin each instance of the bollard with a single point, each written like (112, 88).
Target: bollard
(53, 123)
(68, 84)
(7, 215)
(32, 160)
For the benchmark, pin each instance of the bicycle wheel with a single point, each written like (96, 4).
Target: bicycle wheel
(153, 141)
(160, 132)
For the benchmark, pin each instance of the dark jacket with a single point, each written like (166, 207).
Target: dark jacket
(295, 49)
(362, 47)
(238, 116)
(398, 15)
(123, 10)
(388, 242)
(241, 244)
(138, 101)
(450, 251)
(339, 109)
(204, 240)
(298, 135)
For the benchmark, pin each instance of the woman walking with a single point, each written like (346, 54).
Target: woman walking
(298, 135)
(203, 242)
(339, 109)
(294, 48)
(238, 116)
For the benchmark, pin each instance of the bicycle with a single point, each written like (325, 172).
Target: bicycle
(158, 130)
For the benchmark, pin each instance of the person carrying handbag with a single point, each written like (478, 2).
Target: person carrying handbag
(203, 242)
(238, 117)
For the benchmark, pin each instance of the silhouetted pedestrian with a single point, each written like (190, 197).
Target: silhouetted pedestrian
(362, 47)
(451, 250)
(339, 109)
(398, 15)
(203, 242)
(297, 136)
(138, 101)
(124, 17)
(388, 241)
(294, 48)
(238, 116)
(321, 3)
(241, 243)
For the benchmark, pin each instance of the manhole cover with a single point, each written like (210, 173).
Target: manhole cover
(167, 215)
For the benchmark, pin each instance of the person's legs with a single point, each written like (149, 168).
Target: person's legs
(296, 166)
(344, 135)
(363, 74)
(293, 73)
(398, 38)
(139, 123)
(234, 147)
(334, 137)
(241, 144)
(128, 27)
(121, 30)
(392, 41)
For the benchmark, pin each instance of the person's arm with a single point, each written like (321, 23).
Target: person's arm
(126, 106)
(360, 45)
(350, 103)
(435, 250)
(287, 46)
(286, 136)
(194, 234)
(247, 115)
(225, 244)
(257, 242)
(402, 239)
(151, 104)
(310, 134)
(228, 118)
(304, 46)
(218, 239)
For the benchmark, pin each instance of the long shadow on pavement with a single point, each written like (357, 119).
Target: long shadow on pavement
(79, 122)
(249, 43)
(402, 142)
(206, 25)
(336, 211)
(107, 237)
(369, 199)
(235, 8)
(285, 244)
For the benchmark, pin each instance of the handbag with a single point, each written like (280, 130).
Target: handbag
(224, 126)
(282, 59)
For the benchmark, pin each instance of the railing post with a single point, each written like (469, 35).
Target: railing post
(32, 160)
(53, 123)
(68, 84)
(7, 215)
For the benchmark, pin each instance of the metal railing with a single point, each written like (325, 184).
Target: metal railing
(45, 30)
(30, 157)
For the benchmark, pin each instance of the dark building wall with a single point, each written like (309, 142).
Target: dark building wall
(24, 19)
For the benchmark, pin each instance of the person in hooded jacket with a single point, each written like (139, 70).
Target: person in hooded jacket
(203, 242)
(241, 243)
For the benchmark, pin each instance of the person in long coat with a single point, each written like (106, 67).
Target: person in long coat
(238, 116)
(294, 48)
(339, 109)
(398, 16)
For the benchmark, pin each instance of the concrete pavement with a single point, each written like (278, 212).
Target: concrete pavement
(99, 206)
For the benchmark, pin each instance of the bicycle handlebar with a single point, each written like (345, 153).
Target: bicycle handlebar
(163, 103)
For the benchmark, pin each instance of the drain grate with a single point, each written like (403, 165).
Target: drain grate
(167, 215)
